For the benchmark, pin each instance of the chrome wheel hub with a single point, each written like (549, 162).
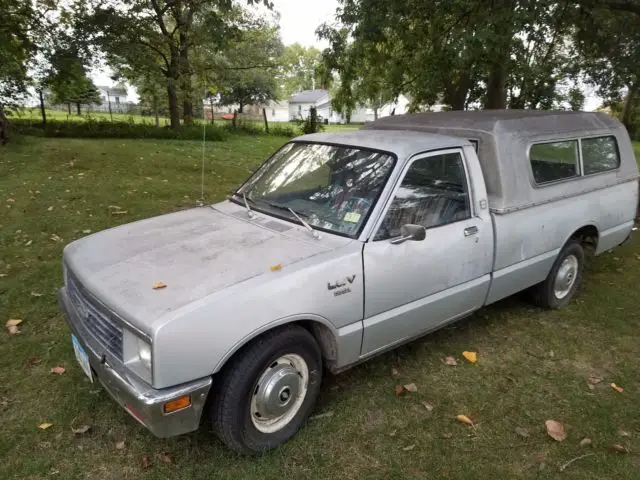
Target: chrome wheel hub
(566, 277)
(279, 393)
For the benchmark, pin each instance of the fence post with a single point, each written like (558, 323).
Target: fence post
(109, 100)
(314, 119)
(266, 124)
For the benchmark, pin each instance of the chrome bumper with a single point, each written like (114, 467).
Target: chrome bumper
(143, 402)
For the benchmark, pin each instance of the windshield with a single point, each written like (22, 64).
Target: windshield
(331, 187)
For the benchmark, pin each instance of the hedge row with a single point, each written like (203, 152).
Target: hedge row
(92, 128)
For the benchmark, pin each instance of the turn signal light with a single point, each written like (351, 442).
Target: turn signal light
(177, 404)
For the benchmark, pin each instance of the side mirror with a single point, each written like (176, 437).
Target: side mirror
(410, 232)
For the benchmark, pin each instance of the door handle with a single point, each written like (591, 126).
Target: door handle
(470, 231)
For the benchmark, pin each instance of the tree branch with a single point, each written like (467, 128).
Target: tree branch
(159, 16)
(628, 6)
(155, 49)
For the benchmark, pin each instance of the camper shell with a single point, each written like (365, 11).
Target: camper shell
(503, 139)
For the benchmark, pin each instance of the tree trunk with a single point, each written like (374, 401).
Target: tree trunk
(456, 95)
(69, 107)
(4, 127)
(266, 124)
(241, 107)
(375, 113)
(496, 87)
(110, 112)
(174, 116)
(155, 109)
(629, 108)
(211, 106)
(42, 110)
(78, 108)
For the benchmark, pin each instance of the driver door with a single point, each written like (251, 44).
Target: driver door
(413, 287)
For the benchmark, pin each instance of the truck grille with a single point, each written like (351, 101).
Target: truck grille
(97, 322)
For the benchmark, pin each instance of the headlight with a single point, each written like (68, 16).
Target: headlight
(137, 355)
(144, 353)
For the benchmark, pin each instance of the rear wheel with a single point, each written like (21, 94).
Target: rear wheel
(563, 280)
(267, 391)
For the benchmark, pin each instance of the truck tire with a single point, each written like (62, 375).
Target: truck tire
(563, 280)
(267, 391)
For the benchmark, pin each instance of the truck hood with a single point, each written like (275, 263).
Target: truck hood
(195, 252)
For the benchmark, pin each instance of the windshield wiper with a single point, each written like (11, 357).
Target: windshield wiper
(314, 233)
(246, 204)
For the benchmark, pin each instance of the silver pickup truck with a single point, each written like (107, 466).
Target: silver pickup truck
(339, 247)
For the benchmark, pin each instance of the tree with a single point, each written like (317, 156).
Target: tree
(301, 69)
(68, 80)
(246, 71)
(612, 61)
(16, 51)
(458, 53)
(164, 33)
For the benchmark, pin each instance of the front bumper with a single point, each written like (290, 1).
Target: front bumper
(143, 402)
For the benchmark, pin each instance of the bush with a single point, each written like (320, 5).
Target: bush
(102, 128)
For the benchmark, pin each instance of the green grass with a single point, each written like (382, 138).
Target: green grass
(533, 365)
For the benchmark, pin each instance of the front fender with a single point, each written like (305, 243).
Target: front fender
(198, 339)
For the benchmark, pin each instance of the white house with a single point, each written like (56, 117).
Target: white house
(300, 104)
(115, 96)
(277, 111)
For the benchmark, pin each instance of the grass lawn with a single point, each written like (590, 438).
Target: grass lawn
(533, 365)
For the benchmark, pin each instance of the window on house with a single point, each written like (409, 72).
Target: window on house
(433, 193)
(117, 99)
(599, 154)
(554, 161)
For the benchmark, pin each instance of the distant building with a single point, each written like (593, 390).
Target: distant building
(277, 111)
(116, 97)
(300, 104)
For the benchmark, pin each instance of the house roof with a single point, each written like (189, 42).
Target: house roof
(308, 96)
(114, 90)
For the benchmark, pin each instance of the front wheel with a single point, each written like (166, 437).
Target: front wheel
(563, 280)
(267, 391)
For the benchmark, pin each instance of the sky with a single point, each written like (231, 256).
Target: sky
(299, 20)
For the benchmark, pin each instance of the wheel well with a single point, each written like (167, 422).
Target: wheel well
(588, 238)
(325, 338)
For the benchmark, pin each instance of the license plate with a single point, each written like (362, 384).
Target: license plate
(82, 357)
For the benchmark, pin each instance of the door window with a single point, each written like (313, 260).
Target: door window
(434, 192)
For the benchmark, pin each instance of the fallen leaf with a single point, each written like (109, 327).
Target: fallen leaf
(623, 433)
(471, 357)
(119, 212)
(34, 361)
(13, 330)
(523, 432)
(620, 448)
(428, 406)
(81, 429)
(13, 322)
(10, 200)
(36, 294)
(146, 462)
(555, 430)
(55, 238)
(165, 458)
(159, 285)
(464, 419)
(393, 433)
(28, 243)
(86, 231)
(395, 373)
(450, 361)
(591, 387)
(120, 445)
(410, 387)
(399, 391)
(58, 370)
(44, 426)
(585, 442)
(322, 415)
(617, 388)
(50, 209)
(409, 448)
(594, 379)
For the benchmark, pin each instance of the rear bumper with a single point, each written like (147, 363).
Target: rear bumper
(143, 402)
